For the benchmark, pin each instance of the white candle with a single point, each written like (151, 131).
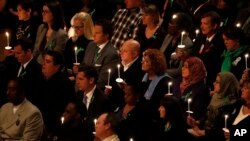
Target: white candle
(62, 120)
(95, 121)
(169, 84)
(226, 116)
(118, 66)
(76, 54)
(246, 57)
(197, 31)
(109, 70)
(189, 101)
(182, 34)
(7, 36)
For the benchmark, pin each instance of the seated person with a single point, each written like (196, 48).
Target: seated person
(19, 118)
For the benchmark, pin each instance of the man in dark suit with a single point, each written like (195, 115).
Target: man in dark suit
(19, 118)
(93, 98)
(28, 70)
(131, 71)
(101, 53)
(210, 46)
(56, 91)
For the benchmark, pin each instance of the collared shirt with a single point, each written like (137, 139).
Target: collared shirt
(125, 24)
(89, 96)
(210, 38)
(16, 107)
(126, 66)
(24, 66)
(113, 137)
(101, 46)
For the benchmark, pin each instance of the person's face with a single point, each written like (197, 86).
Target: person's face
(78, 27)
(207, 28)
(162, 111)
(147, 19)
(172, 27)
(83, 83)
(69, 113)
(126, 53)
(230, 44)
(22, 14)
(22, 56)
(245, 93)
(185, 70)
(99, 36)
(101, 127)
(129, 96)
(48, 67)
(12, 91)
(47, 14)
(217, 84)
(146, 64)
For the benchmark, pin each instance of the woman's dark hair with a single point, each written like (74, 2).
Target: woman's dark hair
(57, 12)
(173, 110)
(26, 5)
(235, 33)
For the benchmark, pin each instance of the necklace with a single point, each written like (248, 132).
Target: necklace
(21, 32)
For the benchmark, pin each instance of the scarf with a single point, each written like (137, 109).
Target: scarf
(152, 85)
(228, 55)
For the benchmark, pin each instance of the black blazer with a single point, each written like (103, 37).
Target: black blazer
(32, 78)
(212, 58)
(99, 104)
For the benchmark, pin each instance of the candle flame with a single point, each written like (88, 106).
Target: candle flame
(95, 121)
(197, 31)
(169, 83)
(118, 65)
(75, 48)
(226, 116)
(131, 139)
(238, 25)
(189, 100)
(62, 120)
(7, 34)
(109, 70)
(174, 16)
(246, 55)
(182, 33)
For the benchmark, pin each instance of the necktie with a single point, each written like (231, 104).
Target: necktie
(97, 54)
(85, 98)
(22, 71)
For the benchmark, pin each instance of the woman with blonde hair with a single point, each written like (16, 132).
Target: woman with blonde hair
(81, 34)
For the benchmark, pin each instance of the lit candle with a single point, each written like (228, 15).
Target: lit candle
(76, 54)
(7, 36)
(246, 57)
(197, 31)
(174, 16)
(189, 101)
(95, 121)
(226, 116)
(62, 120)
(238, 25)
(118, 66)
(169, 84)
(109, 70)
(182, 34)
(131, 139)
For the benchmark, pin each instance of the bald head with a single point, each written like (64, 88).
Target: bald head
(130, 50)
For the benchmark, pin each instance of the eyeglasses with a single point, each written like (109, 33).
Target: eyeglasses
(77, 27)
